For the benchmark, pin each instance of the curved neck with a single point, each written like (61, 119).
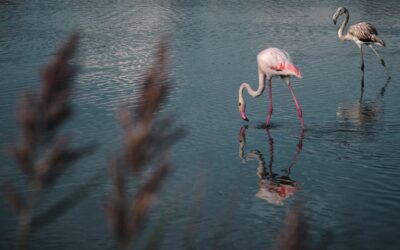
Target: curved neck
(342, 26)
(253, 93)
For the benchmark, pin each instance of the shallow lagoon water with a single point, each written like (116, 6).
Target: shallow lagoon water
(347, 170)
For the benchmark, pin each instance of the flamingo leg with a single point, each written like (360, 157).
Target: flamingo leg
(299, 112)
(270, 101)
(382, 61)
(362, 67)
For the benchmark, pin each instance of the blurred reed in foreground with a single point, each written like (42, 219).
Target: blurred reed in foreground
(42, 154)
(147, 138)
(295, 234)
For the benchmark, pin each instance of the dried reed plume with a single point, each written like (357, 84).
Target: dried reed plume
(147, 138)
(295, 234)
(42, 154)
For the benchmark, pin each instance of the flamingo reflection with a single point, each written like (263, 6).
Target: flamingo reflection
(363, 111)
(274, 188)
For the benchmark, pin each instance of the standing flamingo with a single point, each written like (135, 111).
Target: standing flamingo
(271, 62)
(360, 33)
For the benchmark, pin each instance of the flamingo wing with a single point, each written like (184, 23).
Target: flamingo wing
(278, 59)
(364, 31)
(273, 62)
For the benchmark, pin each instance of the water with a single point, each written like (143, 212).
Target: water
(346, 175)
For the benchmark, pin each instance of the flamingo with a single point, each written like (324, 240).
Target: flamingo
(360, 33)
(271, 62)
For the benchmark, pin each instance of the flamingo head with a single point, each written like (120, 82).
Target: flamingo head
(242, 108)
(293, 70)
(339, 11)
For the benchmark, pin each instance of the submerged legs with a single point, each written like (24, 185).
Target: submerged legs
(270, 101)
(382, 61)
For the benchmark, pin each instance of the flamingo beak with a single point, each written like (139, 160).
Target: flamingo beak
(335, 17)
(243, 115)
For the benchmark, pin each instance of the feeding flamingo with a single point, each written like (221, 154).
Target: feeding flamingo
(271, 62)
(360, 33)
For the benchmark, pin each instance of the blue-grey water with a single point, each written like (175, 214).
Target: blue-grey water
(347, 175)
